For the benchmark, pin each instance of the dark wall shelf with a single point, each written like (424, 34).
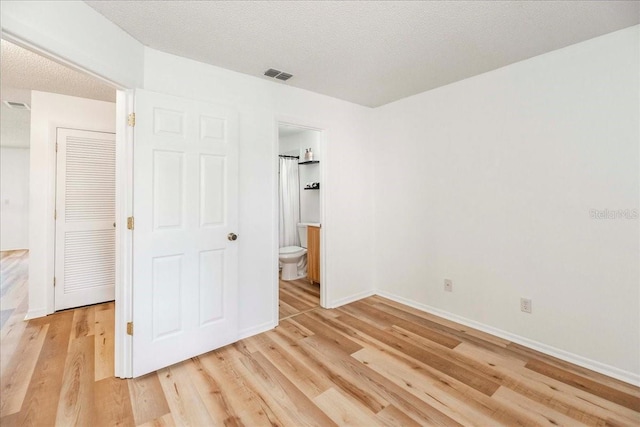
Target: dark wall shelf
(312, 188)
(309, 162)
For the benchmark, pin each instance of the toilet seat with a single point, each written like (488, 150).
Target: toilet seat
(291, 250)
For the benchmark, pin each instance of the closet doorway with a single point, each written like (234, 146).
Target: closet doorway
(300, 214)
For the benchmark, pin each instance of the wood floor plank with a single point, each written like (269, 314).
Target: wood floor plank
(557, 396)
(11, 334)
(483, 370)
(15, 378)
(13, 278)
(5, 315)
(338, 373)
(13, 294)
(212, 394)
(76, 404)
(285, 310)
(308, 380)
(456, 371)
(112, 404)
(83, 322)
(294, 302)
(341, 342)
(163, 421)
(297, 296)
(344, 411)
(303, 290)
(242, 398)
(294, 331)
(184, 401)
(38, 407)
(148, 401)
(447, 395)
(593, 387)
(531, 354)
(392, 416)
(379, 391)
(444, 326)
(283, 393)
(538, 413)
(366, 311)
(104, 341)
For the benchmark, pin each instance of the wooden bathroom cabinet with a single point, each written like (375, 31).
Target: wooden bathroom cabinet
(313, 254)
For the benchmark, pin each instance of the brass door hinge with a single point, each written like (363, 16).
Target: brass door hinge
(131, 120)
(55, 214)
(54, 282)
(130, 223)
(56, 147)
(130, 328)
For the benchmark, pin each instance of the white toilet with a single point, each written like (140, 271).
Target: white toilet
(294, 258)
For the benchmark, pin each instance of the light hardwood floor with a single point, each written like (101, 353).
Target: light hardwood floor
(373, 362)
(297, 296)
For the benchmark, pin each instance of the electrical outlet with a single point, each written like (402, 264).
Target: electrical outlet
(525, 305)
(448, 285)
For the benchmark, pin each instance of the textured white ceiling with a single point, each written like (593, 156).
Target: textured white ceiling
(367, 52)
(23, 71)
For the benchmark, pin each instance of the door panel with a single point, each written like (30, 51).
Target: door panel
(211, 285)
(185, 204)
(168, 192)
(85, 214)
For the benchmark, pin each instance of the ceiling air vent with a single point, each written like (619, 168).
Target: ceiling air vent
(283, 76)
(271, 72)
(16, 105)
(280, 75)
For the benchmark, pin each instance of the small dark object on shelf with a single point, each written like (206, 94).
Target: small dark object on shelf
(312, 186)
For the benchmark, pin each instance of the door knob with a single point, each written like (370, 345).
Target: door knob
(232, 236)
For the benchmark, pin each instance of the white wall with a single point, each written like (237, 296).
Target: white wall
(296, 144)
(14, 178)
(490, 182)
(49, 111)
(14, 125)
(14, 198)
(347, 232)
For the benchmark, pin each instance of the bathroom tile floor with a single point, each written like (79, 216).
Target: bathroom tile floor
(297, 296)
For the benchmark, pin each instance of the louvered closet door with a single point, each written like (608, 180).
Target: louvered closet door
(85, 206)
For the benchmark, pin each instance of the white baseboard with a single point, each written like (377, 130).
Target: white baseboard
(34, 314)
(255, 330)
(351, 298)
(612, 371)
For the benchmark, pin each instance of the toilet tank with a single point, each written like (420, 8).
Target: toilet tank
(302, 234)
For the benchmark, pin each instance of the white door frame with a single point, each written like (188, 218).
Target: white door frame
(124, 203)
(324, 285)
(123, 349)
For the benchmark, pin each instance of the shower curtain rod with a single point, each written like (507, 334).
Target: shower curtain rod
(289, 157)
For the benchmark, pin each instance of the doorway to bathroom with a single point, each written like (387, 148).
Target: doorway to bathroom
(300, 219)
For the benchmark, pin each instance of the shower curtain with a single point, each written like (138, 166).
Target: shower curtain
(289, 202)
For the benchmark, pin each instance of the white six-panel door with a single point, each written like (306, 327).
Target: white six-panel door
(85, 215)
(185, 206)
